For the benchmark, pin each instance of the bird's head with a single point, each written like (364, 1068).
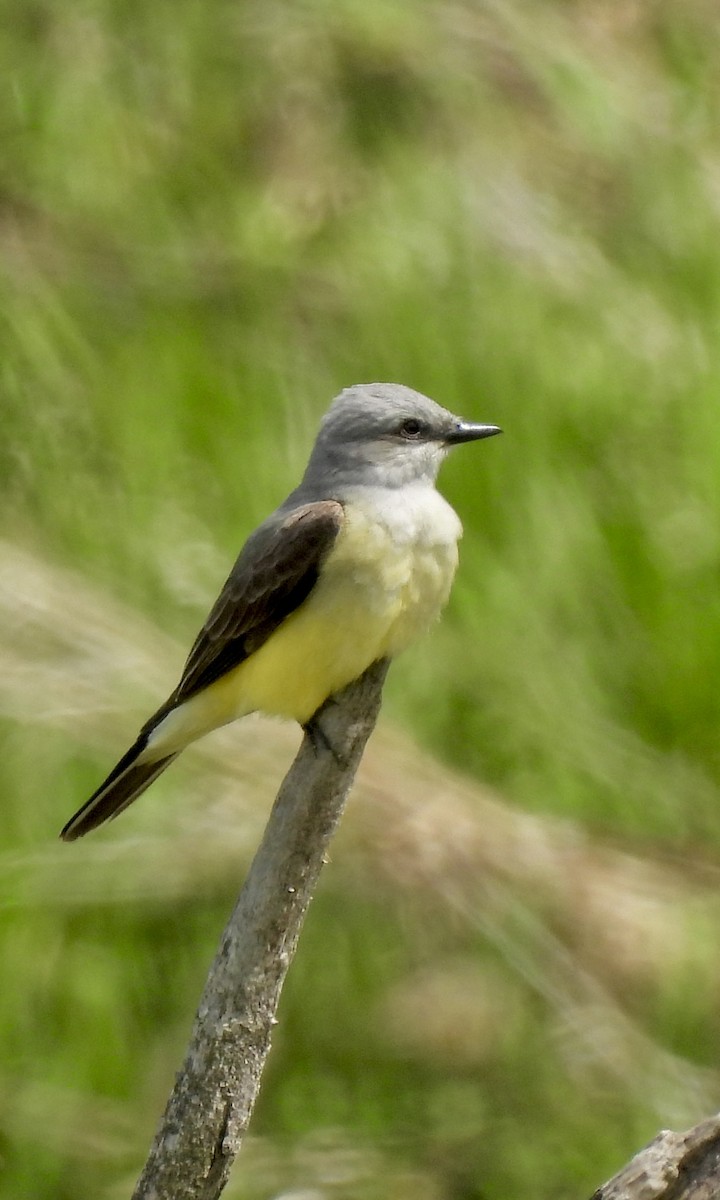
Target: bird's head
(386, 435)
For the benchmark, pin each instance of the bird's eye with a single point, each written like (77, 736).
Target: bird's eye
(411, 428)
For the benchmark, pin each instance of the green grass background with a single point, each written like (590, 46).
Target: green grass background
(212, 217)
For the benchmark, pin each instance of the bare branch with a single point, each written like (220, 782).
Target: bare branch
(675, 1166)
(214, 1094)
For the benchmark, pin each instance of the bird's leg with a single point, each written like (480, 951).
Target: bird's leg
(320, 741)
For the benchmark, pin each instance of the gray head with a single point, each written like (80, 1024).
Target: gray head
(387, 435)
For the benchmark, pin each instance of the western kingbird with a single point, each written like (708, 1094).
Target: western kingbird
(354, 565)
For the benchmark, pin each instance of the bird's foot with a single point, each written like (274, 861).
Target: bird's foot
(320, 741)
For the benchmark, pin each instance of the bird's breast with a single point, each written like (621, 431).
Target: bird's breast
(395, 560)
(384, 581)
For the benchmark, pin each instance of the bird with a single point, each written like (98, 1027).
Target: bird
(351, 568)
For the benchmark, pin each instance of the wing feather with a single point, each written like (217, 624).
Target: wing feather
(276, 571)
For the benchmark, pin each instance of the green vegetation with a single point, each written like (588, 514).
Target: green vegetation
(212, 217)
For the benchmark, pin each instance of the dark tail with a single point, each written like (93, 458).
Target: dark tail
(125, 783)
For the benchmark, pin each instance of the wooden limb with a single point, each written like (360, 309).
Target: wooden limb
(213, 1097)
(675, 1166)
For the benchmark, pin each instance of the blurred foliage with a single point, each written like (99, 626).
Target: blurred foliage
(212, 217)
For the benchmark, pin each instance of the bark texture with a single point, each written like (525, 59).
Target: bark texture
(215, 1090)
(675, 1166)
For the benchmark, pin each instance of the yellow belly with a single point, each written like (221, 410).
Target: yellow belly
(371, 600)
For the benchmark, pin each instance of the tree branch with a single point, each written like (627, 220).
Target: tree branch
(675, 1166)
(210, 1105)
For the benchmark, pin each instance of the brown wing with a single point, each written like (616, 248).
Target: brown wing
(277, 569)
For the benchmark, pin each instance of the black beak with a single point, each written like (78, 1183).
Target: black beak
(464, 431)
